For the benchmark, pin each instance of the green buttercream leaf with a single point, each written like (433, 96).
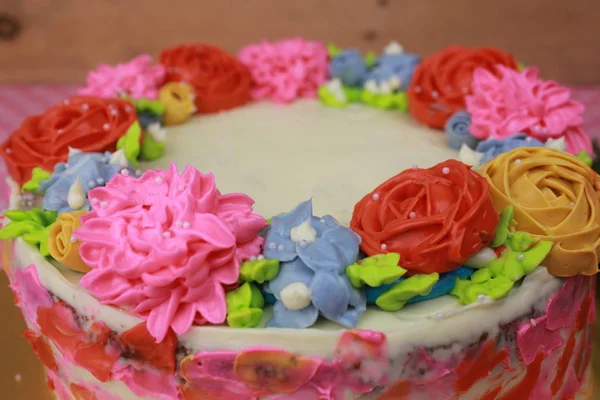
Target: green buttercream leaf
(585, 158)
(154, 106)
(49, 216)
(397, 296)
(370, 59)
(481, 275)
(39, 238)
(19, 228)
(18, 215)
(520, 241)
(259, 270)
(329, 99)
(502, 229)
(130, 143)
(468, 291)
(244, 306)
(398, 100)
(353, 94)
(245, 318)
(333, 50)
(151, 148)
(37, 175)
(374, 271)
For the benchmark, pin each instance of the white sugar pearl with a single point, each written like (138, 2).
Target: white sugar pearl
(158, 180)
(103, 204)
(383, 246)
(252, 258)
(375, 196)
(260, 257)
(521, 257)
(571, 204)
(415, 166)
(412, 215)
(322, 220)
(94, 200)
(59, 131)
(445, 170)
(435, 94)
(113, 112)
(181, 187)
(303, 243)
(178, 224)
(73, 239)
(166, 235)
(100, 181)
(106, 127)
(272, 246)
(280, 247)
(186, 224)
(125, 172)
(85, 107)
(518, 161)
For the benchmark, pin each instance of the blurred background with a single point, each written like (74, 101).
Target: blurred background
(47, 47)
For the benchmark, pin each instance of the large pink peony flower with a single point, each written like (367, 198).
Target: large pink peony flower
(164, 246)
(520, 102)
(287, 69)
(138, 78)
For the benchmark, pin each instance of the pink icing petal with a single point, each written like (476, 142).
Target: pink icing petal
(148, 383)
(577, 141)
(163, 246)
(533, 337)
(520, 102)
(30, 292)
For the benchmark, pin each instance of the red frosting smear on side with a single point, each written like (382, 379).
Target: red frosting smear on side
(435, 218)
(442, 80)
(41, 348)
(478, 363)
(145, 349)
(81, 393)
(524, 388)
(85, 123)
(220, 80)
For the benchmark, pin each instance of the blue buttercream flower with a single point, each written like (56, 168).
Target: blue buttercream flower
(66, 189)
(493, 147)
(349, 67)
(395, 69)
(313, 254)
(457, 131)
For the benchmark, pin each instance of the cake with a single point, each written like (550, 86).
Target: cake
(321, 238)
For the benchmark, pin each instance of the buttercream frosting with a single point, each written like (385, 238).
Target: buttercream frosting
(174, 243)
(555, 197)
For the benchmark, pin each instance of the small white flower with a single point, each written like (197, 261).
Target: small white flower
(303, 233)
(393, 47)
(371, 86)
(394, 82)
(556, 144)
(157, 132)
(469, 156)
(336, 89)
(385, 88)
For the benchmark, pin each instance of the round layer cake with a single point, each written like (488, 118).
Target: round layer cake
(346, 253)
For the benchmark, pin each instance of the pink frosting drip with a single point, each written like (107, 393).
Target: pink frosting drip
(30, 292)
(520, 102)
(164, 246)
(138, 78)
(287, 69)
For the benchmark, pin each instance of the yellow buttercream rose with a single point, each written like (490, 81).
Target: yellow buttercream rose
(555, 197)
(62, 244)
(178, 99)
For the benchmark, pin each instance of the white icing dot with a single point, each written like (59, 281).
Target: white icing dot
(103, 204)
(8, 150)
(181, 187)
(415, 166)
(59, 131)
(528, 139)
(480, 297)
(178, 224)
(521, 257)
(260, 257)
(272, 246)
(85, 107)
(412, 215)
(303, 243)
(417, 89)
(537, 127)
(73, 239)
(435, 94)
(94, 200)
(322, 220)
(125, 172)
(100, 181)
(113, 111)
(518, 161)
(280, 247)
(186, 225)
(128, 108)
(158, 180)
(383, 246)
(106, 127)
(445, 170)
(571, 204)
(439, 315)
(166, 234)
(252, 258)
(532, 321)
(375, 196)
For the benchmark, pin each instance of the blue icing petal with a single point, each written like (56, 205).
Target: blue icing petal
(284, 223)
(278, 247)
(457, 131)
(333, 251)
(290, 272)
(357, 306)
(298, 319)
(330, 294)
(349, 67)
(443, 286)
(400, 66)
(492, 148)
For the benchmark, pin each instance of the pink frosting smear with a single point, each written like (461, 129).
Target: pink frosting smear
(286, 70)
(138, 78)
(521, 102)
(30, 292)
(165, 246)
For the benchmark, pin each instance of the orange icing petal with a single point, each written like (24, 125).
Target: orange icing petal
(144, 347)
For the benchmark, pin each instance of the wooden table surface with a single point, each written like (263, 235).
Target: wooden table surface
(21, 376)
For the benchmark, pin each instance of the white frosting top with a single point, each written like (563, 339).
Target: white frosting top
(281, 155)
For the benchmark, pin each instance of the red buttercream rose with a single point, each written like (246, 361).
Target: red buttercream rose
(220, 81)
(85, 123)
(434, 218)
(442, 80)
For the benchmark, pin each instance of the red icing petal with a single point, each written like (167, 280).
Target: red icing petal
(220, 81)
(59, 325)
(525, 387)
(434, 218)
(85, 123)
(97, 358)
(442, 80)
(81, 393)
(41, 348)
(145, 349)
(478, 363)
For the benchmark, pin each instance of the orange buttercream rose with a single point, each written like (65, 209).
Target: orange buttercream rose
(442, 80)
(62, 244)
(555, 197)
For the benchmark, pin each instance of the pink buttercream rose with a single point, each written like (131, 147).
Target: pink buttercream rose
(166, 246)
(521, 102)
(138, 78)
(285, 70)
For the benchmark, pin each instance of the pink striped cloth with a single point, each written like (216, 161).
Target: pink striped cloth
(20, 101)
